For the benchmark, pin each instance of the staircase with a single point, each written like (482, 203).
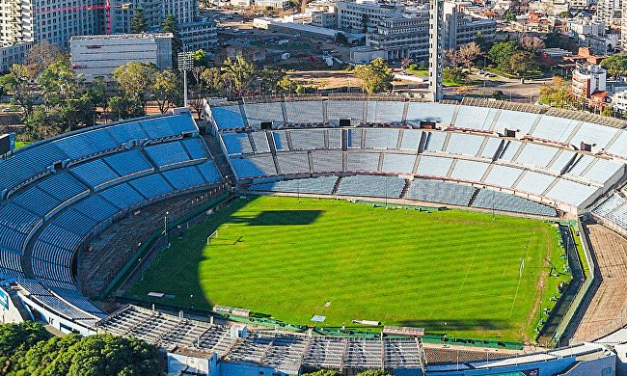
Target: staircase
(337, 186)
(219, 158)
(405, 188)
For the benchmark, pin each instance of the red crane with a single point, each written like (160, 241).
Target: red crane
(106, 6)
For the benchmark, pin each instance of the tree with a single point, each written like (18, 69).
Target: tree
(126, 108)
(564, 14)
(374, 372)
(501, 53)
(170, 25)
(556, 94)
(270, 79)
(375, 77)
(166, 90)
(19, 84)
(44, 54)
(323, 372)
(406, 63)
(451, 58)
(468, 53)
(214, 80)
(365, 19)
(138, 22)
(616, 65)
(135, 79)
(340, 38)
(102, 355)
(238, 73)
(532, 43)
(509, 16)
(522, 62)
(58, 82)
(607, 111)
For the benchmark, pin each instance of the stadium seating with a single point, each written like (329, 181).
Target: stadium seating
(371, 186)
(349, 110)
(304, 112)
(307, 139)
(385, 112)
(362, 162)
(398, 163)
(254, 167)
(293, 163)
(327, 161)
(237, 143)
(469, 170)
(489, 199)
(475, 117)
(417, 112)
(322, 185)
(169, 154)
(257, 113)
(440, 192)
(381, 138)
(434, 166)
(227, 117)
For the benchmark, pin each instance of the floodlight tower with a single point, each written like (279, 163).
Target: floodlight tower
(186, 64)
(436, 52)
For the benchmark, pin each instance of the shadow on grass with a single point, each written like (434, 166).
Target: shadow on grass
(456, 325)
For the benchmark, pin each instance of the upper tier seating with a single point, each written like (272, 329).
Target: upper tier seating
(33, 160)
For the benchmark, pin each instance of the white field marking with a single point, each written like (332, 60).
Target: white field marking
(511, 311)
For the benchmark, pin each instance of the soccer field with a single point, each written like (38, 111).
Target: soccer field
(451, 272)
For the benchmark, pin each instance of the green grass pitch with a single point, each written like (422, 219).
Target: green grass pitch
(453, 272)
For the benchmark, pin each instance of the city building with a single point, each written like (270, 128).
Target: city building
(34, 21)
(13, 54)
(403, 36)
(196, 32)
(273, 4)
(608, 11)
(365, 15)
(588, 80)
(100, 55)
(461, 28)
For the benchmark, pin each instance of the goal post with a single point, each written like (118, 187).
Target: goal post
(213, 235)
(522, 266)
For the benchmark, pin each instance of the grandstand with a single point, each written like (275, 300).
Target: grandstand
(59, 194)
(101, 173)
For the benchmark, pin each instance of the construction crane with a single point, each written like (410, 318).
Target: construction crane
(106, 7)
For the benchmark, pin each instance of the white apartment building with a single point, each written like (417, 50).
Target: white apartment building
(588, 80)
(53, 21)
(608, 11)
(100, 55)
(365, 14)
(619, 101)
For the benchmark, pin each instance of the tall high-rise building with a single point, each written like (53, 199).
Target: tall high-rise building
(23, 21)
(607, 10)
(195, 32)
(436, 51)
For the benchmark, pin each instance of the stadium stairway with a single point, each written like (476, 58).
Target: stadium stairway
(337, 186)
(220, 160)
(405, 188)
(474, 196)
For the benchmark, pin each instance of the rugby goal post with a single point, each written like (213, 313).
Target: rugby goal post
(213, 235)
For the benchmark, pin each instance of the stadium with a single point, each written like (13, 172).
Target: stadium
(281, 235)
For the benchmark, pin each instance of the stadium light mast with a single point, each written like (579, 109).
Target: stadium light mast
(186, 64)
